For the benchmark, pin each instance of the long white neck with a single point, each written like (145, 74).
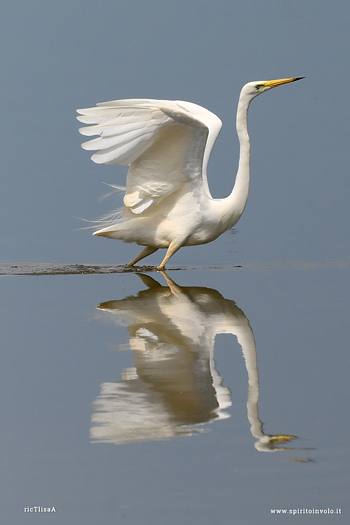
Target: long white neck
(232, 207)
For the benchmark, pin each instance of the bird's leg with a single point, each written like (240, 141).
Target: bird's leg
(173, 248)
(146, 251)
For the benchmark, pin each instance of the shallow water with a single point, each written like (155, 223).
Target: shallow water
(124, 401)
(203, 395)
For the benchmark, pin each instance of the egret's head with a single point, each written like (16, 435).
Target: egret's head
(253, 89)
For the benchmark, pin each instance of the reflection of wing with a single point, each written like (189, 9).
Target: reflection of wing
(174, 384)
(129, 411)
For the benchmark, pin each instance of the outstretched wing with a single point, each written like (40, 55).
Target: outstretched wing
(165, 143)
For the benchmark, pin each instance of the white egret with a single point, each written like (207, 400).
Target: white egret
(167, 145)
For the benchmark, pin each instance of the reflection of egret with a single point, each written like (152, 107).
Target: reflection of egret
(175, 384)
(167, 145)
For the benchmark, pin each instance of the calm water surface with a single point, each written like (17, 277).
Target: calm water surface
(219, 393)
(196, 396)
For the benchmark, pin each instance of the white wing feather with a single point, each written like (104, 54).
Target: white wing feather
(165, 143)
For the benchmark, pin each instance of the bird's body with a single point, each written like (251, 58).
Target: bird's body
(167, 146)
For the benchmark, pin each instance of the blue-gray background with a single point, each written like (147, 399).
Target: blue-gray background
(59, 56)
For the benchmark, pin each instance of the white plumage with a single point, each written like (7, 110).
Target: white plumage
(167, 146)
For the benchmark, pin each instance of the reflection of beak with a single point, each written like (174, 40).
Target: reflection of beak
(280, 438)
(275, 83)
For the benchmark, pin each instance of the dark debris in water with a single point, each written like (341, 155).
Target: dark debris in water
(93, 269)
(71, 269)
(86, 269)
(58, 269)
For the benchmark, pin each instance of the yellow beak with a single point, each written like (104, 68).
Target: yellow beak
(275, 83)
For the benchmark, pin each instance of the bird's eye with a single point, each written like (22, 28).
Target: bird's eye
(259, 86)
